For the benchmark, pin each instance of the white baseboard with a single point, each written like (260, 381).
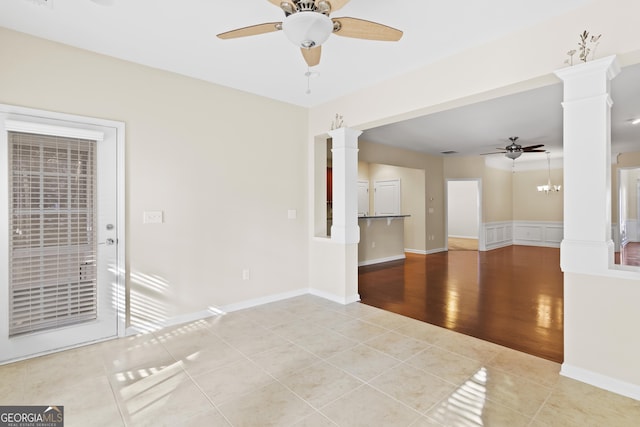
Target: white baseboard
(211, 311)
(381, 260)
(499, 245)
(165, 323)
(335, 298)
(415, 251)
(455, 236)
(539, 244)
(602, 381)
(435, 251)
(263, 300)
(423, 252)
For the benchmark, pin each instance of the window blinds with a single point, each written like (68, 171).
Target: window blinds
(53, 270)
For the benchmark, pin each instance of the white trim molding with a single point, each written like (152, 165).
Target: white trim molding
(415, 251)
(335, 298)
(213, 311)
(381, 260)
(538, 233)
(496, 235)
(602, 381)
(527, 233)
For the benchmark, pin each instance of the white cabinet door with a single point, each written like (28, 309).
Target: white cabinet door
(386, 199)
(363, 198)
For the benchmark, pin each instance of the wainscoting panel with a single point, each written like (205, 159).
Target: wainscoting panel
(548, 234)
(528, 233)
(496, 235)
(616, 237)
(632, 230)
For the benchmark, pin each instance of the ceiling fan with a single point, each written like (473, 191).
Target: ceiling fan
(513, 150)
(307, 25)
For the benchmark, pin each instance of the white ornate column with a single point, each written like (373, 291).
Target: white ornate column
(587, 246)
(345, 186)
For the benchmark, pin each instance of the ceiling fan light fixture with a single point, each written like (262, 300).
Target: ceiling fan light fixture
(307, 29)
(513, 154)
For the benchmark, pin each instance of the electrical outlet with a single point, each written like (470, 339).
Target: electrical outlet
(373, 244)
(246, 274)
(153, 217)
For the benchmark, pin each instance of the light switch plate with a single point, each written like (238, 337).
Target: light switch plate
(153, 217)
(292, 214)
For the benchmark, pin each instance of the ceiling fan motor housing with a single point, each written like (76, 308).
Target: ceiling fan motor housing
(306, 6)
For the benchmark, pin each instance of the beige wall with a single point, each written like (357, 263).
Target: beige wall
(496, 185)
(412, 200)
(623, 161)
(380, 239)
(497, 195)
(632, 193)
(363, 172)
(531, 205)
(225, 187)
(433, 186)
(463, 167)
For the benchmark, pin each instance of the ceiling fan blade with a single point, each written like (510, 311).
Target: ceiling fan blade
(535, 151)
(312, 56)
(531, 147)
(496, 152)
(362, 29)
(335, 4)
(253, 30)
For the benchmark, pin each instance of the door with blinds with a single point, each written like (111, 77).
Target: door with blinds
(61, 247)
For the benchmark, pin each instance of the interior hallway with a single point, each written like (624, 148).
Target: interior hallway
(511, 296)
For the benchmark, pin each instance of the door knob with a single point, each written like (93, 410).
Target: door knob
(110, 241)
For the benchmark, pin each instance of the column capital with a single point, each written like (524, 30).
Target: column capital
(345, 137)
(589, 78)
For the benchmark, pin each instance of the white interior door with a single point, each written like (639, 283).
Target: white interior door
(60, 265)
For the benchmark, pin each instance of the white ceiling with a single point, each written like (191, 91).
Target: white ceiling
(180, 36)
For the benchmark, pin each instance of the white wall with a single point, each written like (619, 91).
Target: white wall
(225, 187)
(462, 209)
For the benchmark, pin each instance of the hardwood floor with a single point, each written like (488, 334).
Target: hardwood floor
(629, 255)
(462, 244)
(511, 296)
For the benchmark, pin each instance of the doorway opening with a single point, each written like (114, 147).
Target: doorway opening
(463, 215)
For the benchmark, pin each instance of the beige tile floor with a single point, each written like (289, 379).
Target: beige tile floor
(308, 362)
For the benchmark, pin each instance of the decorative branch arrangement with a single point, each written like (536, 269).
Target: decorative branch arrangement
(337, 123)
(587, 45)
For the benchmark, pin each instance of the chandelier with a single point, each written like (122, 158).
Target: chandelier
(548, 187)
